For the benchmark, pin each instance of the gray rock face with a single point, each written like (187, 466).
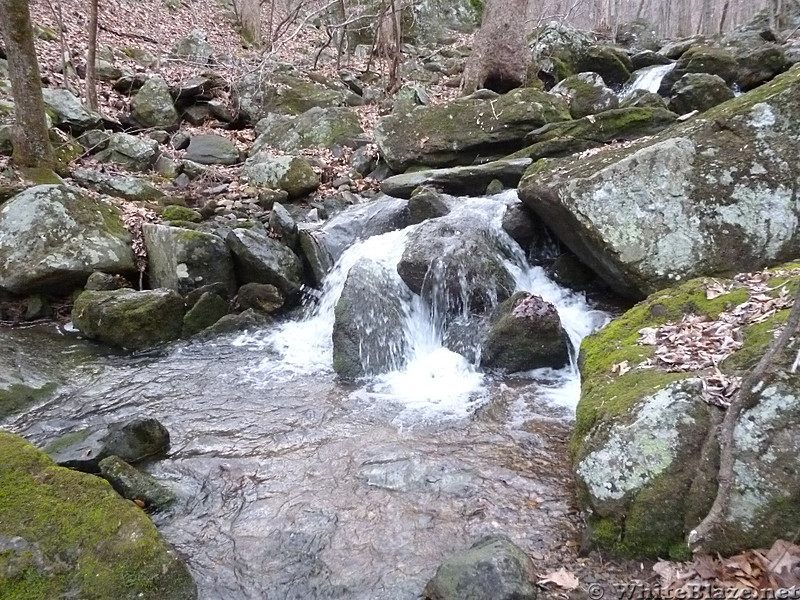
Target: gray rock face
(130, 319)
(68, 111)
(612, 64)
(133, 153)
(458, 132)
(193, 48)
(293, 174)
(260, 259)
(426, 203)
(493, 569)
(759, 65)
(692, 201)
(317, 127)
(211, 149)
(586, 94)
(368, 330)
(698, 91)
(130, 188)
(52, 238)
(133, 441)
(208, 309)
(152, 106)
(183, 259)
(525, 334)
(701, 59)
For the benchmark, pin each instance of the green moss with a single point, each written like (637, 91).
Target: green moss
(65, 441)
(742, 104)
(175, 212)
(478, 7)
(18, 397)
(756, 338)
(95, 544)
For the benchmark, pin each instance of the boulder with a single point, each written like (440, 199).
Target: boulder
(369, 323)
(129, 188)
(131, 152)
(519, 224)
(99, 281)
(68, 111)
(262, 297)
(317, 127)
(256, 96)
(130, 319)
(494, 568)
(586, 94)
(759, 65)
(184, 259)
(261, 259)
(459, 132)
(71, 534)
(193, 48)
(643, 99)
(282, 224)
(468, 180)
(133, 441)
(133, 484)
(208, 309)
(293, 174)
(525, 334)
(698, 91)
(702, 59)
(713, 194)
(426, 203)
(612, 64)
(456, 265)
(640, 431)
(212, 149)
(648, 58)
(556, 47)
(153, 107)
(53, 237)
(639, 34)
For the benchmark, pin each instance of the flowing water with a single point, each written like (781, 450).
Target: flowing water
(295, 485)
(648, 78)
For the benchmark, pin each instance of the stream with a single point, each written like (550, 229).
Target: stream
(293, 484)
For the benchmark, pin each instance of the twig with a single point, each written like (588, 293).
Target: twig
(135, 36)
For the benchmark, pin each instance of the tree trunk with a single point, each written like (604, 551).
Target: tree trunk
(724, 17)
(91, 58)
(32, 146)
(500, 56)
(250, 20)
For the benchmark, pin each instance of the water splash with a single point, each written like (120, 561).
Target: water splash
(648, 78)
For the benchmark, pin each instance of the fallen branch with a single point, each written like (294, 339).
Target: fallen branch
(135, 36)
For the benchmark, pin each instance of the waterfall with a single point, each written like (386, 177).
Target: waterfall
(430, 377)
(648, 79)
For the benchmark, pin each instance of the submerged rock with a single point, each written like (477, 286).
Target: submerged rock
(66, 533)
(133, 484)
(493, 569)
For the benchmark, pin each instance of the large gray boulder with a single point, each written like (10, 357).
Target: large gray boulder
(713, 194)
(459, 132)
(184, 259)
(68, 111)
(493, 569)
(317, 127)
(53, 237)
(702, 59)
(193, 48)
(698, 91)
(586, 94)
(129, 151)
(212, 149)
(368, 329)
(129, 188)
(293, 174)
(152, 106)
(261, 259)
(130, 319)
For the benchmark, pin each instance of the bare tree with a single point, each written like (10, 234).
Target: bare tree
(500, 57)
(32, 147)
(91, 57)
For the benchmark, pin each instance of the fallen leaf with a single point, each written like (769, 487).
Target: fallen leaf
(562, 578)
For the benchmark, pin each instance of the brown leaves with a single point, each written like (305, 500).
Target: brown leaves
(562, 578)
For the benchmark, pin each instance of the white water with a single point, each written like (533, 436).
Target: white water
(648, 79)
(434, 382)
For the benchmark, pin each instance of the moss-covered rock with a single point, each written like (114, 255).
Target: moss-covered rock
(458, 132)
(317, 127)
(702, 59)
(610, 62)
(698, 91)
(176, 212)
(586, 94)
(292, 174)
(208, 309)
(68, 534)
(130, 319)
(152, 106)
(133, 484)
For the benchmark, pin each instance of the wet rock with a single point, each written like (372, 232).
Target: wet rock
(133, 153)
(316, 255)
(293, 174)
(68, 111)
(152, 106)
(493, 569)
(714, 217)
(458, 132)
(133, 484)
(129, 319)
(193, 48)
(70, 533)
(282, 223)
(261, 297)
(698, 91)
(99, 282)
(426, 203)
(53, 237)
(212, 149)
(249, 320)
(129, 188)
(525, 334)
(494, 187)
(702, 59)
(570, 272)
(648, 58)
(208, 309)
(133, 441)
(610, 62)
(586, 94)
(643, 99)
(518, 223)
(182, 259)
(368, 330)
(317, 127)
(468, 180)
(261, 259)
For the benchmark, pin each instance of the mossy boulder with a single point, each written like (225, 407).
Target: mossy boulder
(759, 65)
(292, 174)
(176, 212)
(640, 432)
(130, 319)
(52, 237)
(612, 64)
(208, 309)
(153, 107)
(69, 534)
(586, 94)
(525, 334)
(714, 194)
(133, 484)
(129, 188)
(698, 91)
(131, 152)
(556, 47)
(317, 127)
(459, 132)
(702, 59)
